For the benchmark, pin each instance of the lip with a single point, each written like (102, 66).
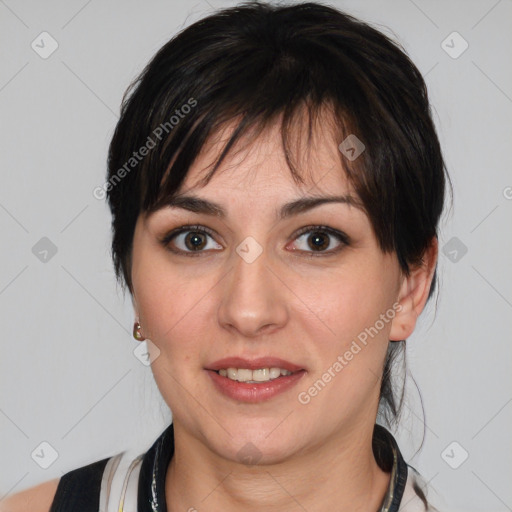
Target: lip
(253, 364)
(254, 392)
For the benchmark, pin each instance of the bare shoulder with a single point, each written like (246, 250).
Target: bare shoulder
(35, 499)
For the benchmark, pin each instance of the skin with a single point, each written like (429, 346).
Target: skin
(307, 310)
(38, 498)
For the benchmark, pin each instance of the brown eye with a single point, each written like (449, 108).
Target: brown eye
(195, 240)
(190, 239)
(321, 240)
(318, 241)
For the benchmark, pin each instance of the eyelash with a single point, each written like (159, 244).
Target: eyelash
(339, 235)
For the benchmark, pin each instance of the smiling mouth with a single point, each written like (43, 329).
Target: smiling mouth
(265, 378)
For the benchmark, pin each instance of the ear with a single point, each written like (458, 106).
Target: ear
(413, 294)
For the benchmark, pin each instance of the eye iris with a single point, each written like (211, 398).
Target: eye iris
(195, 241)
(319, 241)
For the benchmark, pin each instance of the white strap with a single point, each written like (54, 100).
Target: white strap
(106, 481)
(119, 484)
(128, 501)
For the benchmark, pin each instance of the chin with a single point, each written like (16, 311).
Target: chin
(258, 443)
(257, 454)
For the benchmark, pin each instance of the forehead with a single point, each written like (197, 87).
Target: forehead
(257, 162)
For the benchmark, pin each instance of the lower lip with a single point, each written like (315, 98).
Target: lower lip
(254, 393)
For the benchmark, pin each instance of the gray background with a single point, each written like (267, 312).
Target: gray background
(68, 373)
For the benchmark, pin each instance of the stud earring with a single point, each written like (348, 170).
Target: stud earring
(136, 332)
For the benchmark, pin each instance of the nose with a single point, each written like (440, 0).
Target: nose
(253, 299)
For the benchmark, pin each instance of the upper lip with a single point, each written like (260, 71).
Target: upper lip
(253, 364)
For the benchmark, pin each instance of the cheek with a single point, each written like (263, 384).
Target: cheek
(156, 291)
(348, 344)
(169, 310)
(173, 306)
(349, 335)
(350, 300)
(174, 309)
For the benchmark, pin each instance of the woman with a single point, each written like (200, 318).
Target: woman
(275, 182)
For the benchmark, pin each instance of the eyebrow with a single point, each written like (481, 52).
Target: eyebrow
(198, 205)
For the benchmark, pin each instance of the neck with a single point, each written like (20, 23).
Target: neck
(341, 474)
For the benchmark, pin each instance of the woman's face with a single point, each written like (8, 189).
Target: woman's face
(265, 281)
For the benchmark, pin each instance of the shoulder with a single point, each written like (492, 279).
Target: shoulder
(78, 489)
(35, 499)
(101, 485)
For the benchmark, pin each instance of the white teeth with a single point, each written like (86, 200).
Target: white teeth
(259, 375)
(275, 372)
(243, 375)
(252, 376)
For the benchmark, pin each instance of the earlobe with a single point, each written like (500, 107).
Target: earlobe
(137, 328)
(413, 294)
